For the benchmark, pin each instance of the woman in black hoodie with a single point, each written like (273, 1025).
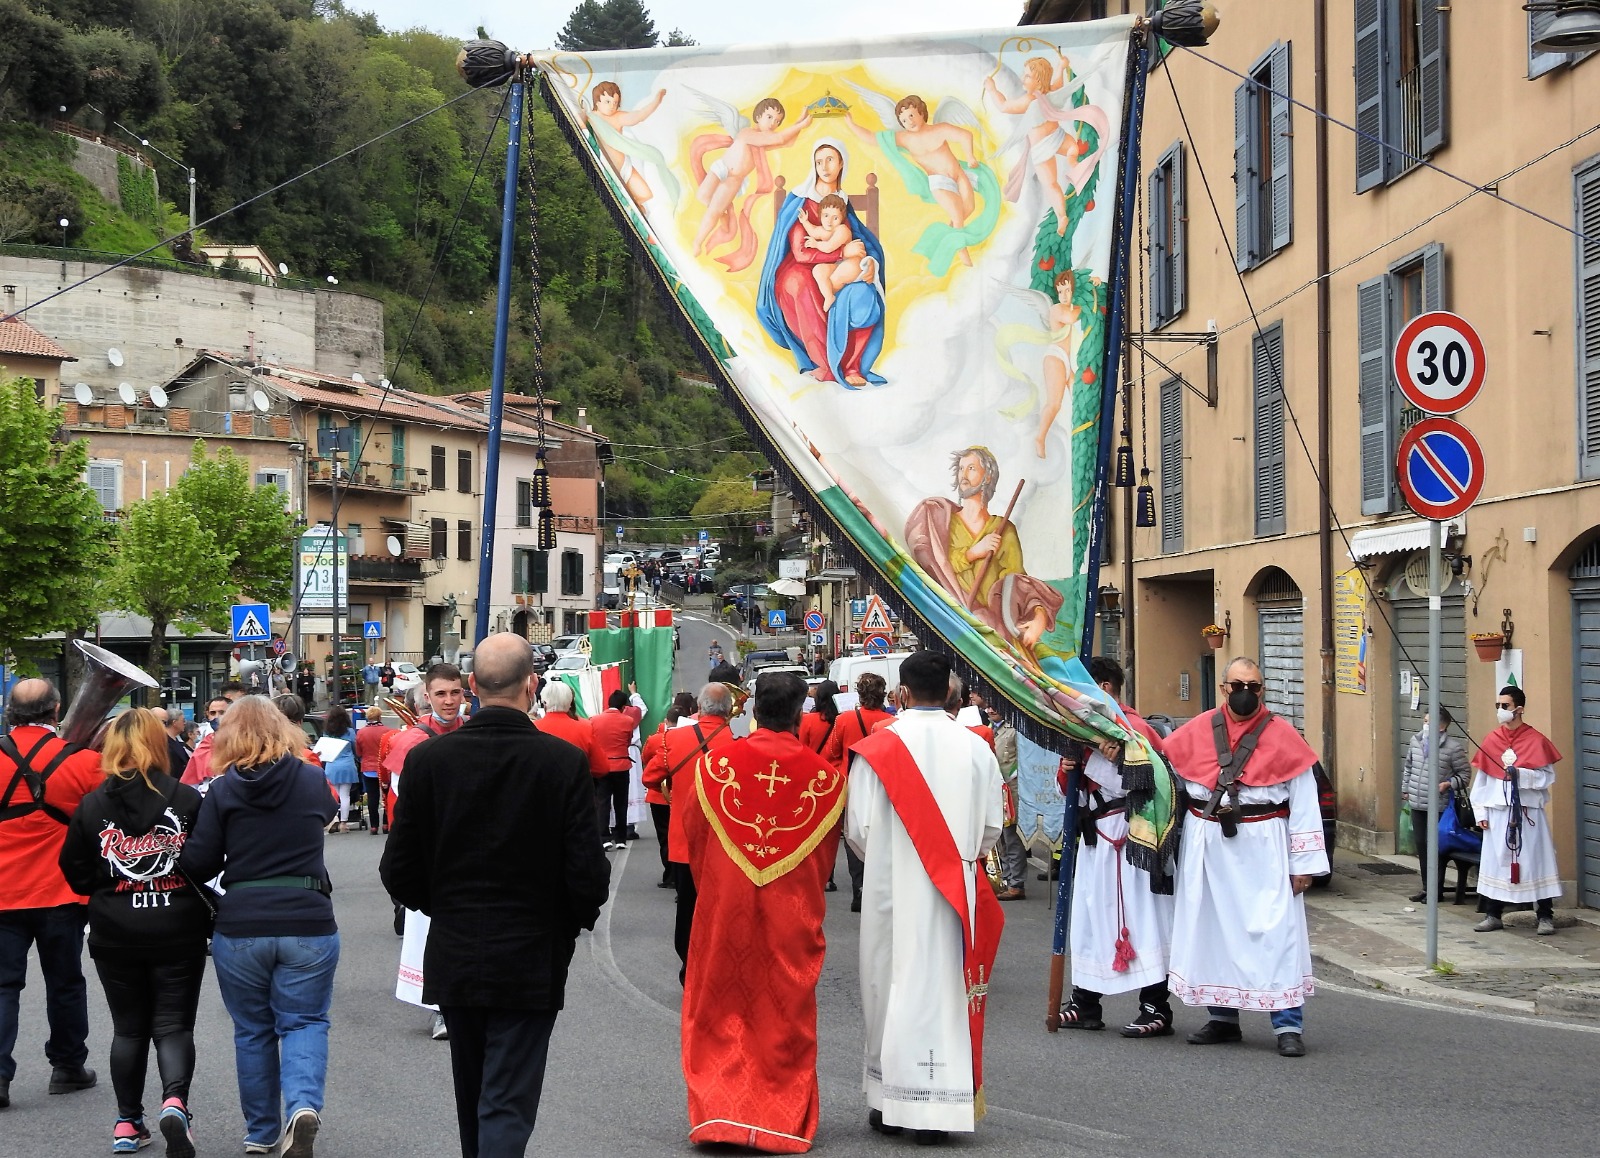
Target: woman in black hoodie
(147, 923)
(276, 945)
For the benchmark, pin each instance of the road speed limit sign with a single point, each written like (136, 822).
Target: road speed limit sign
(1439, 363)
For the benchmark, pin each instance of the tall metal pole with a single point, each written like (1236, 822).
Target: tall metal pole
(497, 387)
(333, 541)
(192, 218)
(1429, 841)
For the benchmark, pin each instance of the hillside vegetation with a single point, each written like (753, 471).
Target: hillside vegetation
(253, 93)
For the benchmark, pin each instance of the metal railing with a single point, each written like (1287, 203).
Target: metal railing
(163, 264)
(1410, 120)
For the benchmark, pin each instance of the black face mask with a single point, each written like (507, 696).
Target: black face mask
(1244, 702)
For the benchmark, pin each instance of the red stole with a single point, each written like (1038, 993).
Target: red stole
(1280, 755)
(1532, 748)
(770, 800)
(914, 804)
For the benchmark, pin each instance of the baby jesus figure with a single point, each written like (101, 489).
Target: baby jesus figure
(834, 236)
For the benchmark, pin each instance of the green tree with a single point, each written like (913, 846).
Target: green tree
(170, 570)
(600, 24)
(677, 38)
(53, 539)
(249, 523)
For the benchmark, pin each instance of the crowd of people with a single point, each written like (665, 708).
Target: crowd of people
(499, 825)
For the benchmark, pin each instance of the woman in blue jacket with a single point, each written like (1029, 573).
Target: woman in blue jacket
(342, 770)
(276, 944)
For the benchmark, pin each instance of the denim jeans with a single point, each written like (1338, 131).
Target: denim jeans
(58, 932)
(277, 989)
(1283, 1020)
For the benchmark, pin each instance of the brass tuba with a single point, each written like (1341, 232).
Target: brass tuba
(400, 707)
(107, 679)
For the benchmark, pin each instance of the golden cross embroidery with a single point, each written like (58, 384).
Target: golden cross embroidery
(930, 1065)
(977, 994)
(772, 779)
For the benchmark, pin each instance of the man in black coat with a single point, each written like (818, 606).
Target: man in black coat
(497, 841)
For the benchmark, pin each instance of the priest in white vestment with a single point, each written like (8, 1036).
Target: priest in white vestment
(925, 806)
(1121, 931)
(1239, 933)
(1515, 771)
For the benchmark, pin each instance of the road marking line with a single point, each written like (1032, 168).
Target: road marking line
(600, 949)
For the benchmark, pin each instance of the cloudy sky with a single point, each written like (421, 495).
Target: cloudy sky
(532, 26)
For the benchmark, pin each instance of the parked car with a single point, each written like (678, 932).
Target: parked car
(617, 560)
(736, 594)
(845, 670)
(567, 644)
(796, 669)
(572, 661)
(543, 656)
(406, 676)
(758, 661)
(669, 556)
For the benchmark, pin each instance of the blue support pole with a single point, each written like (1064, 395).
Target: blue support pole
(1132, 125)
(497, 387)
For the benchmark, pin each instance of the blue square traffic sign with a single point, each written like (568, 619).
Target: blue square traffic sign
(252, 623)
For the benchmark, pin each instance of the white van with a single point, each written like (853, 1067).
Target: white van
(610, 586)
(845, 670)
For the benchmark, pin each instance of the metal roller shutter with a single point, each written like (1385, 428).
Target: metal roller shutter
(1411, 625)
(1586, 693)
(1283, 661)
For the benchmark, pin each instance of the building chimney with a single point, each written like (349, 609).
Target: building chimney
(11, 299)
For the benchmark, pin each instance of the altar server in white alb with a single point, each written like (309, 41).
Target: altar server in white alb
(1251, 844)
(1516, 768)
(924, 809)
(1121, 927)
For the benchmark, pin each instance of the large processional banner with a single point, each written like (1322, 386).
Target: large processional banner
(899, 254)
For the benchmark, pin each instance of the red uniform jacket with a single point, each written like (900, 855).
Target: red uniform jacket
(30, 844)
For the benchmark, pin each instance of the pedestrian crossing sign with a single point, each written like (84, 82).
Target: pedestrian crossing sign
(373, 629)
(876, 619)
(250, 623)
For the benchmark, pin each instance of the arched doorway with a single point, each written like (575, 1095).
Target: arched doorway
(519, 624)
(1280, 618)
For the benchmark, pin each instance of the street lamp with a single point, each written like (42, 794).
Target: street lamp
(332, 280)
(1574, 27)
(63, 223)
(188, 169)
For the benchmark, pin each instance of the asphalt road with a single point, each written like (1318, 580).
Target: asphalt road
(1385, 1076)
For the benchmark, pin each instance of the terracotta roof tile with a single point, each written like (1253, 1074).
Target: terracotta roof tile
(17, 337)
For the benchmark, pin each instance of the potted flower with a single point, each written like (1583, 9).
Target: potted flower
(1214, 636)
(1489, 644)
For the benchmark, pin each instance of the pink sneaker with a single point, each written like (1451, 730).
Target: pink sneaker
(129, 1136)
(174, 1123)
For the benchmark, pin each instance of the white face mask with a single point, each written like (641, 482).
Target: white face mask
(1504, 715)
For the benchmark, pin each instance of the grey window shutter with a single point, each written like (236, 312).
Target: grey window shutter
(1178, 231)
(1267, 366)
(1433, 295)
(1243, 180)
(1281, 151)
(1372, 342)
(1172, 465)
(1370, 74)
(1434, 81)
(1588, 223)
(1156, 199)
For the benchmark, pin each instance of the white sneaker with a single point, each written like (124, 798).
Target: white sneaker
(260, 1147)
(440, 1031)
(1546, 928)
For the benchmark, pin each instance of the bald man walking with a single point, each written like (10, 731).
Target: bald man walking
(498, 842)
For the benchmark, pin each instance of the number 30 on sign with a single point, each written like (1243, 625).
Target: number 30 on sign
(1439, 363)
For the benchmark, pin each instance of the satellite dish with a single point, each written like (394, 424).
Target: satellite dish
(356, 377)
(83, 394)
(395, 545)
(384, 382)
(283, 269)
(262, 402)
(158, 398)
(126, 392)
(114, 356)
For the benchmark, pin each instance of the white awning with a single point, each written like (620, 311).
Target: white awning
(1393, 538)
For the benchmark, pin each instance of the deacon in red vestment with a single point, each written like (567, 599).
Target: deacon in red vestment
(1516, 769)
(762, 835)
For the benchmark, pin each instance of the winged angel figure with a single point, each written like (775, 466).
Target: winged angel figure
(927, 155)
(745, 141)
(1050, 132)
(1059, 327)
(610, 123)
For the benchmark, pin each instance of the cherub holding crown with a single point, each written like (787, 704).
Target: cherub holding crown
(746, 145)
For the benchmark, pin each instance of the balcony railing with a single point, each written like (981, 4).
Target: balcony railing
(376, 568)
(1410, 120)
(362, 480)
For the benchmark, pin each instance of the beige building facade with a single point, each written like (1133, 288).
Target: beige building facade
(1277, 515)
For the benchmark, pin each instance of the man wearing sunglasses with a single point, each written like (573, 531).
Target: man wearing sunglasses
(1515, 771)
(1239, 934)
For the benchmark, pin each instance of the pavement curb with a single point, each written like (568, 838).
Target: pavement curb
(1342, 968)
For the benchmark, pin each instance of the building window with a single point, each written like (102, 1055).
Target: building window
(1413, 285)
(464, 471)
(464, 540)
(355, 541)
(105, 479)
(440, 547)
(1169, 270)
(530, 571)
(1172, 465)
(1587, 204)
(524, 502)
(1263, 156)
(572, 573)
(274, 478)
(1402, 87)
(437, 456)
(1266, 367)
(1540, 63)
(397, 457)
